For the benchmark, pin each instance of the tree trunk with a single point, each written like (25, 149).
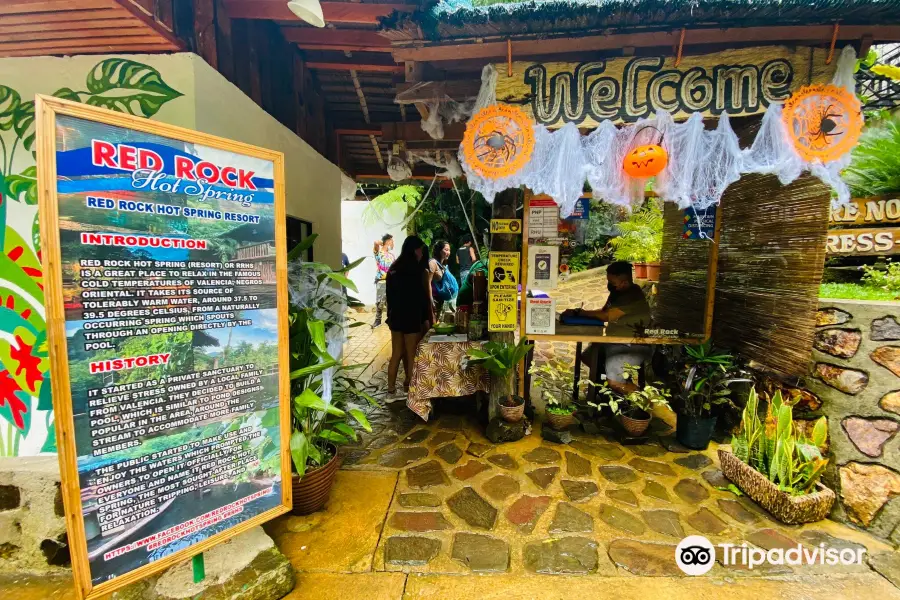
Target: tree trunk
(504, 208)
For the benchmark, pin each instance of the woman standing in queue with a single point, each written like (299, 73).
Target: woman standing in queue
(409, 311)
(437, 270)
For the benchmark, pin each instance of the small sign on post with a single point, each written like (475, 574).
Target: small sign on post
(511, 226)
(503, 314)
(503, 272)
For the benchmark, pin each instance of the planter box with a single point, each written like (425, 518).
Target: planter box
(791, 510)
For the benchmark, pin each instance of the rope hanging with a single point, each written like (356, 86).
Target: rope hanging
(680, 46)
(834, 36)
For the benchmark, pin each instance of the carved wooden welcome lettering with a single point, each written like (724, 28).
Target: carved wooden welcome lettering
(736, 82)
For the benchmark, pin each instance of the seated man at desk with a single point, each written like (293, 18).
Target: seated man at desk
(625, 312)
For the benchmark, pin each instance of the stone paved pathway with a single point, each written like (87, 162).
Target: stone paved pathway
(463, 506)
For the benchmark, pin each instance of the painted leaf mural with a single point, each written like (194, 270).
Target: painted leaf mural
(128, 86)
(118, 84)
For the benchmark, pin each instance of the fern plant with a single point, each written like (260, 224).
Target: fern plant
(641, 235)
(777, 449)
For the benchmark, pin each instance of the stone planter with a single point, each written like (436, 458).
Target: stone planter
(560, 421)
(791, 510)
(311, 491)
(513, 414)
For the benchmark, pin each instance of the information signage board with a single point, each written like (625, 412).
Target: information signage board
(503, 271)
(863, 242)
(503, 313)
(165, 270)
(510, 226)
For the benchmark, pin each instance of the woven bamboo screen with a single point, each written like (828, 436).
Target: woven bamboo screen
(771, 258)
(681, 299)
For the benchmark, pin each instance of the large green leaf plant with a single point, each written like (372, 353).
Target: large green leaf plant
(500, 359)
(778, 449)
(327, 398)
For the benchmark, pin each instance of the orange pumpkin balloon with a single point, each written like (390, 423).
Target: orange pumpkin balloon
(646, 161)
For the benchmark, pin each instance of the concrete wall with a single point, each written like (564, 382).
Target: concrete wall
(856, 384)
(183, 90)
(32, 517)
(359, 230)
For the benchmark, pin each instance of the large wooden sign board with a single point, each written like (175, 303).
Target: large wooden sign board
(166, 294)
(738, 82)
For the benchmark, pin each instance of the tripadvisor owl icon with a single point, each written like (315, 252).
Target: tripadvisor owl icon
(695, 555)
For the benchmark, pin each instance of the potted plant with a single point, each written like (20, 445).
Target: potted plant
(324, 409)
(705, 382)
(501, 360)
(640, 241)
(556, 379)
(777, 465)
(634, 407)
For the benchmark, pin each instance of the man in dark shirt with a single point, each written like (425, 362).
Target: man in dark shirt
(626, 313)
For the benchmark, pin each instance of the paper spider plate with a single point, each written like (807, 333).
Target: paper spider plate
(499, 141)
(823, 121)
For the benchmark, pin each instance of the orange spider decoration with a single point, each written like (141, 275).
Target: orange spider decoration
(499, 141)
(823, 121)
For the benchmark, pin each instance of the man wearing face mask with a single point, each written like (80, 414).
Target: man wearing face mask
(625, 312)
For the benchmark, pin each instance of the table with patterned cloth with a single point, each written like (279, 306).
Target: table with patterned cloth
(438, 374)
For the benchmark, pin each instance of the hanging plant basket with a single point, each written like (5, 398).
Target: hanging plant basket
(311, 491)
(789, 509)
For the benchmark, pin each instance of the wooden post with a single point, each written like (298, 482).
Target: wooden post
(504, 208)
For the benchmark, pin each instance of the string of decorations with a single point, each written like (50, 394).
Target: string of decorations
(814, 130)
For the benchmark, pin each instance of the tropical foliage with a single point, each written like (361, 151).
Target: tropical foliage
(640, 238)
(501, 360)
(556, 380)
(875, 167)
(327, 399)
(778, 449)
(643, 399)
(118, 84)
(705, 379)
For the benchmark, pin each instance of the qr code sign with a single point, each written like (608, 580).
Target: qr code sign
(540, 316)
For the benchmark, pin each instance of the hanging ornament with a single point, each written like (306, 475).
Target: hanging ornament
(646, 161)
(823, 122)
(499, 141)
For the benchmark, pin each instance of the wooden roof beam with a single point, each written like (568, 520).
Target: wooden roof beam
(412, 132)
(497, 49)
(350, 40)
(334, 12)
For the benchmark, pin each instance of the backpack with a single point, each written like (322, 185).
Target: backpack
(446, 288)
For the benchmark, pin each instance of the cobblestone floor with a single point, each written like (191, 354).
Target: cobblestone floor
(446, 502)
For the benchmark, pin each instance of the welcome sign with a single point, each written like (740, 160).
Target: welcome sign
(736, 82)
(165, 263)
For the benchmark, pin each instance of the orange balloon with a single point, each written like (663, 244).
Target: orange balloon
(646, 161)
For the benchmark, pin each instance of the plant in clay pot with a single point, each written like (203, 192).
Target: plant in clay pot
(779, 466)
(556, 379)
(327, 398)
(705, 380)
(640, 241)
(634, 408)
(501, 359)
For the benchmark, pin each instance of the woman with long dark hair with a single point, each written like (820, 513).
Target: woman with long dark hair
(409, 312)
(437, 270)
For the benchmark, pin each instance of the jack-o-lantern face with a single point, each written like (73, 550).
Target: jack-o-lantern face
(646, 161)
